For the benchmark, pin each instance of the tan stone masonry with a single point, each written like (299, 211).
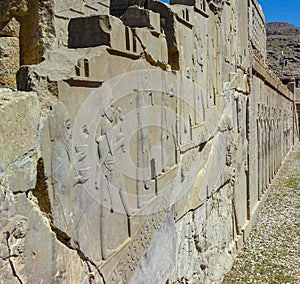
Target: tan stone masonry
(141, 143)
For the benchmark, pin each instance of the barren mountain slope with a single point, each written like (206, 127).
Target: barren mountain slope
(284, 37)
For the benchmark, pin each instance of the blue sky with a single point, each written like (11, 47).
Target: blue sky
(280, 10)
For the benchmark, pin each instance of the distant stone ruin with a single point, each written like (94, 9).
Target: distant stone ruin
(141, 142)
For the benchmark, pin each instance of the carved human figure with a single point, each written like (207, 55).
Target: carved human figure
(259, 148)
(61, 166)
(168, 149)
(60, 135)
(143, 148)
(12, 240)
(109, 180)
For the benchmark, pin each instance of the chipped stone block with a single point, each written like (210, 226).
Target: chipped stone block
(215, 165)
(95, 31)
(154, 259)
(21, 177)
(9, 60)
(11, 29)
(20, 117)
(219, 219)
(154, 45)
(136, 17)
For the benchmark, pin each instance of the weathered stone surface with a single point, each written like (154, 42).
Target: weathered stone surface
(20, 118)
(149, 146)
(160, 256)
(9, 52)
(136, 17)
(11, 9)
(9, 60)
(95, 31)
(21, 176)
(41, 26)
(33, 250)
(11, 29)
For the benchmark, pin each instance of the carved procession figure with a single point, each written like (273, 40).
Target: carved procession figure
(60, 135)
(62, 170)
(109, 180)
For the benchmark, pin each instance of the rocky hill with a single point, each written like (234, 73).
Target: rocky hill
(284, 37)
(279, 28)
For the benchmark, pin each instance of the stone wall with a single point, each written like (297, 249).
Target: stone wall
(9, 53)
(141, 148)
(257, 29)
(29, 28)
(294, 86)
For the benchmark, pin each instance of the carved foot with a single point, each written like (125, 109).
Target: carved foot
(165, 169)
(107, 253)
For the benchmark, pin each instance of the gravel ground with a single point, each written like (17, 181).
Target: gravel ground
(272, 252)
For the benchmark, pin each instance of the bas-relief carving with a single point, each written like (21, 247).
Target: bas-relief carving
(144, 155)
(140, 238)
(63, 194)
(169, 147)
(69, 185)
(203, 179)
(61, 179)
(109, 180)
(240, 164)
(118, 209)
(12, 242)
(60, 137)
(211, 153)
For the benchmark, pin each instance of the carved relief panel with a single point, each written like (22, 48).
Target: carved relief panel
(122, 160)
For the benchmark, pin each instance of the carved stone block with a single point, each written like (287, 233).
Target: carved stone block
(136, 17)
(95, 31)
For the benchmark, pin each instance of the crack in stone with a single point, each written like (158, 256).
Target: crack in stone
(40, 191)
(66, 240)
(21, 192)
(148, 56)
(14, 272)
(44, 203)
(91, 276)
